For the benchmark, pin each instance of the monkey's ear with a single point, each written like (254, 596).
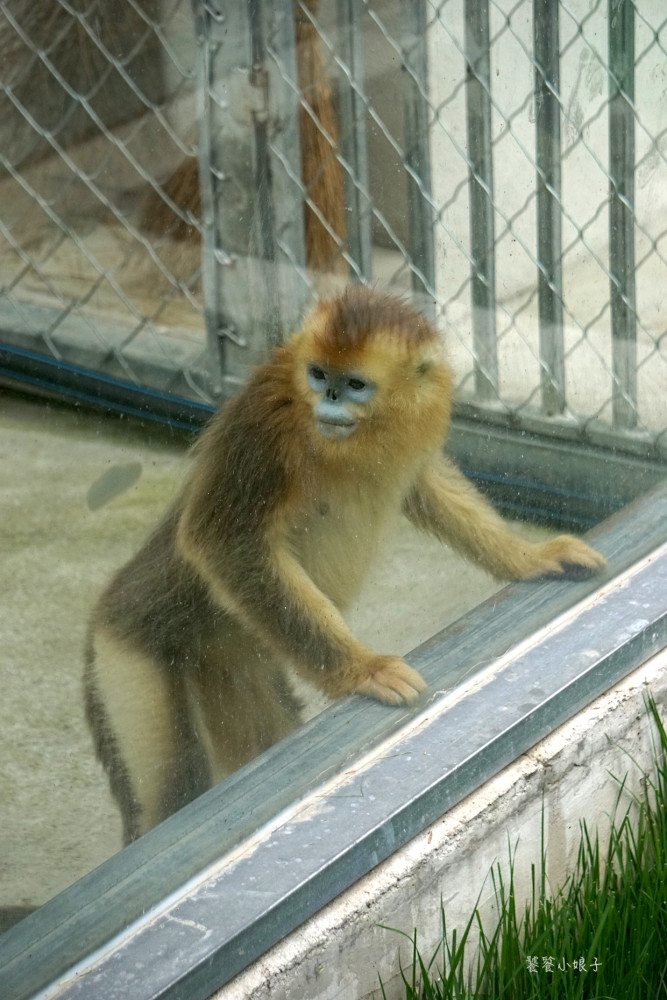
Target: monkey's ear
(432, 356)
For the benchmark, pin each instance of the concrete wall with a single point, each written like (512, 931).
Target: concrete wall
(339, 954)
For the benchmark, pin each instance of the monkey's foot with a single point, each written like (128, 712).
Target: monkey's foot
(392, 681)
(569, 557)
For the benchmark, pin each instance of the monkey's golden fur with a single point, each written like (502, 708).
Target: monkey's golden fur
(270, 540)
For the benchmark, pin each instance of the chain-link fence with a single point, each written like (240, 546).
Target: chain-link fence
(564, 260)
(100, 253)
(502, 162)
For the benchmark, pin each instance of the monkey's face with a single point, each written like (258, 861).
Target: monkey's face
(340, 399)
(373, 387)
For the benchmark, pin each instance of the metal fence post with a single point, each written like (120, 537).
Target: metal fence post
(549, 208)
(421, 214)
(288, 283)
(253, 216)
(482, 228)
(621, 212)
(354, 138)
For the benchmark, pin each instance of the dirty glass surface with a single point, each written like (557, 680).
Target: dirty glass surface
(179, 184)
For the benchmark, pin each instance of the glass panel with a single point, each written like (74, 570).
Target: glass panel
(150, 265)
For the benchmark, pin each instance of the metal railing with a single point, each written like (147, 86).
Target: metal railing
(502, 162)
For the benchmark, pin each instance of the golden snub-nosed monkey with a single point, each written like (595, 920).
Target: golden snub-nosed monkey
(252, 566)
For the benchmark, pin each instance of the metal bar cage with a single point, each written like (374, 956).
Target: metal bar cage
(178, 181)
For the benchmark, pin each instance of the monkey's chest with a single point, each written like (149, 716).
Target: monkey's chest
(335, 541)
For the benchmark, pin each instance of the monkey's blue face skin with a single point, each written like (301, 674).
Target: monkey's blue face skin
(338, 390)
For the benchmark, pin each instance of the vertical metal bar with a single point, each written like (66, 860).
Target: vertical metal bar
(278, 138)
(354, 137)
(210, 270)
(549, 246)
(421, 217)
(264, 229)
(250, 174)
(265, 242)
(621, 211)
(240, 309)
(482, 229)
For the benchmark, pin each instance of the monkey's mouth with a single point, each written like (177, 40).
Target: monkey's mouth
(336, 428)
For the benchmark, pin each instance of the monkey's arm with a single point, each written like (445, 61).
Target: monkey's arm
(443, 502)
(268, 590)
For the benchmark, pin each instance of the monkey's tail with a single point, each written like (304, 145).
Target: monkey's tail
(107, 750)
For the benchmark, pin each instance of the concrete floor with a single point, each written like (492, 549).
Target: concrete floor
(78, 492)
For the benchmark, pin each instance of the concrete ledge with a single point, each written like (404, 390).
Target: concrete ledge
(339, 954)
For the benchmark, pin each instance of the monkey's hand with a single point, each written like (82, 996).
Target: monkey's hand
(392, 681)
(566, 556)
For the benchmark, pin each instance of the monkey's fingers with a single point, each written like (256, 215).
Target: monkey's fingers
(569, 557)
(392, 681)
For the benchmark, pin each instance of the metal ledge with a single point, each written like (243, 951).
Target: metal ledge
(91, 387)
(189, 905)
(568, 482)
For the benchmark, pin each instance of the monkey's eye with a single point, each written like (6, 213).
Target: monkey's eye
(316, 373)
(356, 384)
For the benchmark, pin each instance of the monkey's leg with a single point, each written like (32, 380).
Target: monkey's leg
(143, 734)
(242, 701)
(446, 504)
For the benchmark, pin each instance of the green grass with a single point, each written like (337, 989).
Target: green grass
(610, 915)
